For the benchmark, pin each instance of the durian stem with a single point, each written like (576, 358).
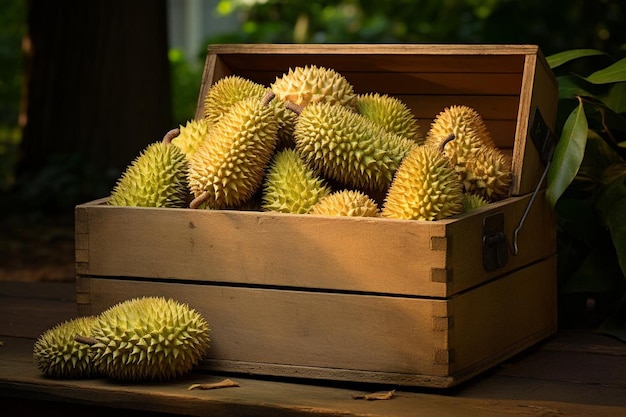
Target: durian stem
(195, 203)
(293, 107)
(269, 96)
(85, 340)
(170, 135)
(448, 139)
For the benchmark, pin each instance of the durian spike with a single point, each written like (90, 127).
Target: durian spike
(169, 136)
(447, 140)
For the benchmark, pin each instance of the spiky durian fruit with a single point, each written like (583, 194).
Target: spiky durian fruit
(231, 89)
(229, 168)
(425, 187)
(473, 201)
(342, 145)
(226, 92)
(291, 186)
(314, 84)
(191, 136)
(156, 178)
(488, 173)
(469, 130)
(391, 113)
(149, 338)
(352, 203)
(57, 353)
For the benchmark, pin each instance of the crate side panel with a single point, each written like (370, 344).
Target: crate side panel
(540, 93)
(303, 329)
(536, 240)
(365, 255)
(492, 320)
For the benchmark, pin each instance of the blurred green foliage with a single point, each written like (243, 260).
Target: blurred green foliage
(554, 25)
(12, 29)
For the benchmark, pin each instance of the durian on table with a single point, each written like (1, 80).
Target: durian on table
(140, 339)
(285, 146)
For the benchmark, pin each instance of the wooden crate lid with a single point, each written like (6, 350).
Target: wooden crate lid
(509, 85)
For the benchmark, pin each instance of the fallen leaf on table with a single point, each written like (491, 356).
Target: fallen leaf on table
(386, 395)
(227, 383)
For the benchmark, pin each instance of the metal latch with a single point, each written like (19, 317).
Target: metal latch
(495, 243)
(495, 246)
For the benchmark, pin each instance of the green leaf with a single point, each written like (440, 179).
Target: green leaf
(612, 205)
(612, 74)
(616, 99)
(568, 154)
(570, 88)
(566, 56)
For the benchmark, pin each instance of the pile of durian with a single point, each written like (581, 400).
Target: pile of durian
(140, 339)
(308, 144)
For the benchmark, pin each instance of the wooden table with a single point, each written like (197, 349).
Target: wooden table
(574, 373)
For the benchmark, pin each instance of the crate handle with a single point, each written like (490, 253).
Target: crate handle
(515, 249)
(545, 143)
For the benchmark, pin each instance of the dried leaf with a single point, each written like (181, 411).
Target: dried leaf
(383, 395)
(227, 383)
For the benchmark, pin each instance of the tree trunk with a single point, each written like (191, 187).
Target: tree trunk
(98, 82)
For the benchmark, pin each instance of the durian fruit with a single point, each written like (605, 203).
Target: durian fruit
(231, 89)
(488, 173)
(291, 186)
(473, 201)
(226, 92)
(425, 187)
(344, 146)
(156, 178)
(469, 130)
(58, 355)
(314, 84)
(391, 113)
(191, 136)
(149, 338)
(229, 168)
(351, 203)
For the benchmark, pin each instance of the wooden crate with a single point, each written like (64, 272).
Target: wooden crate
(356, 299)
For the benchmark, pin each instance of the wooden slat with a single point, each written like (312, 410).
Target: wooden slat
(369, 255)
(363, 57)
(302, 329)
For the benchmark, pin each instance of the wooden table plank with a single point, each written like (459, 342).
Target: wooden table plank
(577, 374)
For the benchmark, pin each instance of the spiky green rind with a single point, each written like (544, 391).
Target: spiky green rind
(191, 136)
(469, 129)
(226, 92)
(58, 355)
(344, 146)
(488, 174)
(291, 186)
(314, 84)
(391, 113)
(156, 178)
(350, 203)
(425, 187)
(231, 165)
(473, 201)
(149, 338)
(229, 90)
